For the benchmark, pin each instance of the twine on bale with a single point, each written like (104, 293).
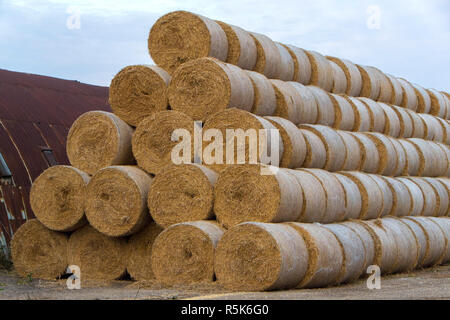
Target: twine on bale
(265, 100)
(302, 66)
(339, 79)
(316, 154)
(321, 71)
(370, 82)
(352, 75)
(409, 100)
(268, 61)
(287, 68)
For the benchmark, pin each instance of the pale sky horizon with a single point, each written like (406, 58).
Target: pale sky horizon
(409, 40)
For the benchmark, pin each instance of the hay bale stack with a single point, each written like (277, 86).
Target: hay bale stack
(366, 238)
(363, 120)
(98, 139)
(139, 250)
(339, 79)
(182, 193)
(370, 157)
(386, 89)
(152, 142)
(406, 122)
(378, 116)
(289, 101)
(261, 256)
(325, 255)
(138, 91)
(302, 66)
(397, 91)
(325, 108)
(387, 194)
(353, 202)
(392, 127)
(242, 194)
(184, 252)
(345, 115)
(99, 257)
(418, 201)
(371, 82)
(265, 100)
(442, 197)
(353, 151)
(316, 154)
(321, 71)
(241, 46)
(412, 158)
(401, 200)
(409, 100)
(419, 126)
(309, 109)
(386, 151)
(39, 252)
(181, 36)
(116, 201)
(203, 87)
(402, 161)
(429, 195)
(438, 104)
(423, 99)
(287, 68)
(57, 198)
(352, 75)
(268, 61)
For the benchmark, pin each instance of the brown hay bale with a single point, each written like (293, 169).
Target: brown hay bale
(429, 195)
(182, 193)
(406, 124)
(339, 79)
(326, 257)
(419, 127)
(363, 121)
(294, 145)
(412, 158)
(418, 201)
(421, 237)
(205, 86)
(289, 103)
(334, 146)
(438, 104)
(39, 252)
(316, 154)
(152, 142)
(309, 109)
(354, 252)
(268, 61)
(371, 82)
(139, 250)
(241, 46)
(370, 158)
(444, 223)
(442, 197)
(397, 91)
(430, 165)
(325, 108)
(261, 256)
(409, 100)
(435, 130)
(345, 115)
(353, 156)
(366, 238)
(265, 100)
(57, 198)
(242, 193)
(388, 197)
(393, 125)
(388, 156)
(184, 252)
(321, 71)
(181, 36)
(402, 161)
(106, 209)
(378, 116)
(352, 75)
(386, 89)
(401, 197)
(99, 257)
(423, 99)
(98, 139)
(353, 202)
(138, 91)
(371, 195)
(302, 66)
(287, 68)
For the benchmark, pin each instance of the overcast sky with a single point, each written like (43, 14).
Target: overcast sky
(406, 38)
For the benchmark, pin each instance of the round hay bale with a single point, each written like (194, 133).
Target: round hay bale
(406, 124)
(152, 142)
(429, 130)
(387, 194)
(353, 202)
(116, 201)
(205, 86)
(345, 116)
(268, 61)
(242, 194)
(99, 257)
(386, 151)
(446, 130)
(435, 130)
(39, 252)
(339, 79)
(386, 89)
(181, 36)
(401, 197)
(397, 91)
(241, 46)
(302, 66)
(377, 115)
(412, 158)
(419, 126)
(184, 252)
(367, 240)
(443, 152)
(261, 256)
(325, 108)
(138, 91)
(139, 250)
(354, 252)
(287, 67)
(363, 121)
(309, 109)
(316, 154)
(370, 158)
(371, 82)
(334, 146)
(409, 100)
(321, 71)
(371, 195)
(423, 99)
(393, 125)
(352, 75)
(418, 201)
(421, 237)
(402, 161)
(430, 165)
(325, 255)
(442, 197)
(57, 198)
(289, 103)
(353, 156)
(438, 104)
(98, 139)
(444, 223)
(265, 100)
(182, 193)
(447, 101)
(294, 145)
(429, 195)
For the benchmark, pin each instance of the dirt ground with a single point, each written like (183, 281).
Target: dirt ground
(424, 284)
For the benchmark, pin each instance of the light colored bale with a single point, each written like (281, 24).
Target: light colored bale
(289, 101)
(446, 96)
(371, 82)
(321, 71)
(339, 79)
(205, 86)
(434, 128)
(39, 252)
(366, 238)
(409, 100)
(397, 91)
(363, 120)
(429, 131)
(429, 195)
(353, 202)
(423, 99)
(430, 164)
(268, 61)
(353, 156)
(98, 139)
(386, 89)
(181, 193)
(418, 201)
(345, 116)
(184, 252)
(393, 126)
(406, 124)
(261, 256)
(265, 100)
(443, 151)
(386, 151)
(57, 198)
(442, 197)
(302, 66)
(309, 109)
(106, 209)
(287, 68)
(402, 201)
(325, 108)
(446, 130)
(387, 194)
(402, 161)
(352, 75)
(412, 158)
(181, 36)
(378, 116)
(444, 223)
(421, 237)
(370, 157)
(316, 153)
(438, 104)
(419, 127)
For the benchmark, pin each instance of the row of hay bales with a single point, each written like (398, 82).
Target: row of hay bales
(180, 37)
(203, 87)
(249, 256)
